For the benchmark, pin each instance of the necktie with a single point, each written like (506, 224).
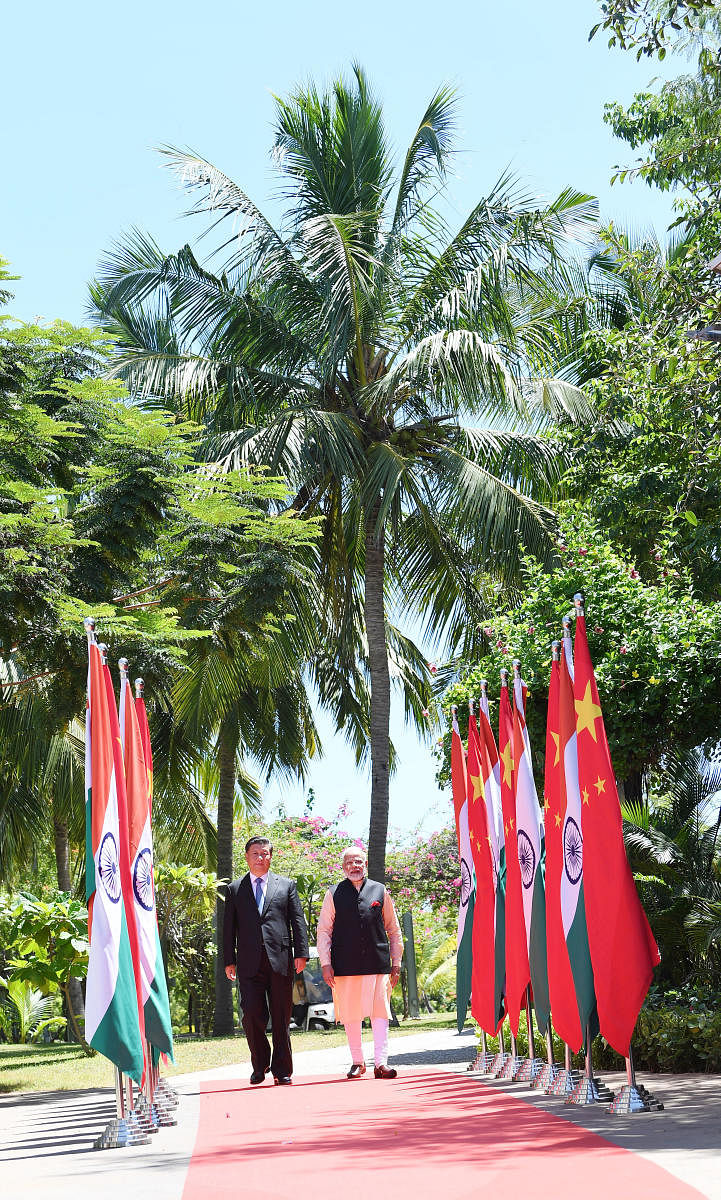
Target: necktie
(259, 894)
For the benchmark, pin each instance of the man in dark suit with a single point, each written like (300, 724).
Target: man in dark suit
(264, 937)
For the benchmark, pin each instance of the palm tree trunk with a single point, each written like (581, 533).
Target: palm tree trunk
(380, 696)
(224, 1017)
(74, 994)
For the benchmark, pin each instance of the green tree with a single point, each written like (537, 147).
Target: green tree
(647, 25)
(653, 644)
(673, 842)
(649, 470)
(395, 372)
(46, 948)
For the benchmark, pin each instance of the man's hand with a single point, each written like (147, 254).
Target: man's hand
(300, 965)
(395, 975)
(328, 975)
(230, 972)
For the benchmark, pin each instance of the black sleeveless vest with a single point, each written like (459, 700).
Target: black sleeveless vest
(359, 945)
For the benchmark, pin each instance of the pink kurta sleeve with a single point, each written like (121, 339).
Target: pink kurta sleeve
(325, 929)
(393, 929)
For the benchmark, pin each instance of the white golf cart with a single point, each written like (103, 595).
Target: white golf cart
(312, 998)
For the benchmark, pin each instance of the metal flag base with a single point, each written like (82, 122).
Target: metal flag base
(167, 1093)
(590, 1090)
(564, 1083)
(650, 1099)
(162, 1115)
(144, 1115)
(482, 1063)
(498, 1063)
(546, 1076)
(634, 1099)
(628, 1100)
(512, 1064)
(121, 1132)
(529, 1070)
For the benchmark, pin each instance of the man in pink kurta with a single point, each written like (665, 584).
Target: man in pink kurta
(360, 947)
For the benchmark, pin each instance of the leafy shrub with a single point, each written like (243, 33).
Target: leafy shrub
(676, 1031)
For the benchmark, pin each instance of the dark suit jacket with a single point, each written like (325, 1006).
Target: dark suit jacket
(280, 927)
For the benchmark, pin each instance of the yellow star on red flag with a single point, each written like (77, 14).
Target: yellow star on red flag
(587, 713)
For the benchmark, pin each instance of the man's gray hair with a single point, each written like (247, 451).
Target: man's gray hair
(354, 850)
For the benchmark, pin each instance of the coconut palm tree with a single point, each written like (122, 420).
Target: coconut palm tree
(673, 844)
(399, 375)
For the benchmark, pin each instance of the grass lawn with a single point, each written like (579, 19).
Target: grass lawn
(60, 1067)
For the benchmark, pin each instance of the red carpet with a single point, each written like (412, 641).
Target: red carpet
(419, 1136)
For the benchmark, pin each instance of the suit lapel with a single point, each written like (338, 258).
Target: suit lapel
(270, 890)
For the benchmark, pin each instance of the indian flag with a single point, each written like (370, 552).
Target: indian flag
(138, 782)
(113, 1020)
(531, 857)
(464, 946)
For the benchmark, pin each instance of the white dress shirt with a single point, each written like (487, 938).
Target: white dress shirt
(254, 884)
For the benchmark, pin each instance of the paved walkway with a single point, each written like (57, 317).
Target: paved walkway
(46, 1138)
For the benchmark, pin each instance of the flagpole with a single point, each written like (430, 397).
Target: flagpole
(163, 1098)
(549, 1069)
(566, 1077)
(501, 1056)
(590, 1089)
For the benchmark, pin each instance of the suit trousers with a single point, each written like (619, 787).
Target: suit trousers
(267, 992)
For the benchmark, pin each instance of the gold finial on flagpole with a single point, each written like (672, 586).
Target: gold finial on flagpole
(140, 688)
(556, 650)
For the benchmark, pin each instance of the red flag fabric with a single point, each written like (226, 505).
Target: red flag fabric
(126, 880)
(483, 972)
(564, 1009)
(623, 950)
(458, 778)
(518, 974)
(142, 716)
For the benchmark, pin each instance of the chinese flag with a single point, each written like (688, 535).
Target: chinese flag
(623, 950)
(518, 974)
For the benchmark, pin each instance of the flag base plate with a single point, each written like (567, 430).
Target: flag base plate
(162, 1115)
(634, 1100)
(482, 1064)
(121, 1132)
(590, 1090)
(498, 1063)
(167, 1093)
(564, 1083)
(529, 1070)
(546, 1076)
(512, 1064)
(144, 1115)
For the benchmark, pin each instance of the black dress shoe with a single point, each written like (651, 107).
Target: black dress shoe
(257, 1077)
(283, 1079)
(385, 1072)
(357, 1069)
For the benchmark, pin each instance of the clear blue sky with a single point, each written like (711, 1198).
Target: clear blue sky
(90, 89)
